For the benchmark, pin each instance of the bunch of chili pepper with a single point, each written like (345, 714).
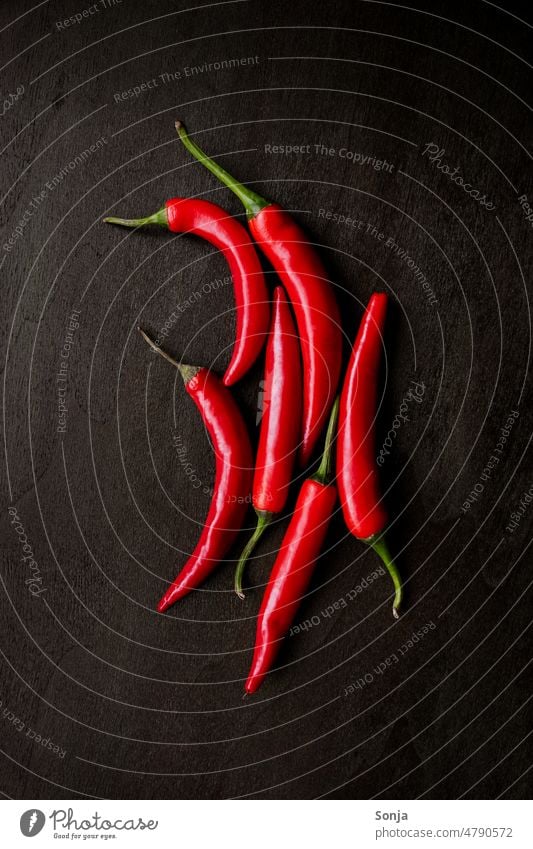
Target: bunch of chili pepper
(298, 397)
(302, 273)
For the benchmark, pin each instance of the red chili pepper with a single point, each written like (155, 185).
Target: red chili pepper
(357, 475)
(212, 223)
(280, 425)
(300, 269)
(233, 478)
(295, 563)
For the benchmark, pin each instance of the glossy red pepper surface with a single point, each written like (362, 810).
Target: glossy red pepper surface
(301, 271)
(252, 299)
(280, 425)
(294, 564)
(357, 475)
(282, 406)
(233, 477)
(212, 223)
(291, 575)
(233, 480)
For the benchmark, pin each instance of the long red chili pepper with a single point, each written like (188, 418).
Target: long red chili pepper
(301, 271)
(212, 223)
(295, 562)
(357, 476)
(280, 425)
(233, 478)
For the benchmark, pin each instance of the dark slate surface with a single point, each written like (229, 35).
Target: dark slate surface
(142, 705)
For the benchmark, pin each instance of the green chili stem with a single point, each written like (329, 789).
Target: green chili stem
(187, 372)
(380, 546)
(323, 473)
(264, 519)
(252, 202)
(159, 218)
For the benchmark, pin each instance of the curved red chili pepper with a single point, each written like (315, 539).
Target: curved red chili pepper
(357, 475)
(233, 478)
(294, 564)
(300, 269)
(212, 223)
(280, 425)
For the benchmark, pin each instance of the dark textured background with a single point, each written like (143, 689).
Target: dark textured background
(151, 706)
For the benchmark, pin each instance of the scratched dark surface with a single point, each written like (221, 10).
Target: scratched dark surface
(127, 703)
